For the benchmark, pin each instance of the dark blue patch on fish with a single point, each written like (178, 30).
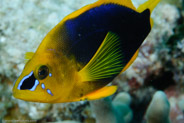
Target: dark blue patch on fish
(87, 31)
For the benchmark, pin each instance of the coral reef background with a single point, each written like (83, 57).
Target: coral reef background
(159, 66)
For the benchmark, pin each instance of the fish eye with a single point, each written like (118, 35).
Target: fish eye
(43, 72)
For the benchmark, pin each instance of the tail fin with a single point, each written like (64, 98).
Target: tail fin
(150, 4)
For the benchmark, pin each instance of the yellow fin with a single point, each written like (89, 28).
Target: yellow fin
(127, 3)
(150, 4)
(151, 22)
(131, 60)
(106, 62)
(28, 56)
(101, 93)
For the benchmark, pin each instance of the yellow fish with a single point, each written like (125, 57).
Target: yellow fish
(84, 52)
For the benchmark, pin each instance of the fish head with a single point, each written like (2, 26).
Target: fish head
(43, 79)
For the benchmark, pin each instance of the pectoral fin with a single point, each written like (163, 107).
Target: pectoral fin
(101, 93)
(28, 56)
(107, 62)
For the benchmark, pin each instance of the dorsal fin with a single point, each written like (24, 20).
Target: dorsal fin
(107, 62)
(126, 3)
(28, 56)
(150, 4)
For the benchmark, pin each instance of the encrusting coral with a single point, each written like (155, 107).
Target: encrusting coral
(159, 108)
(113, 111)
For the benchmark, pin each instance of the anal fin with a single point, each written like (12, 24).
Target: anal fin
(101, 93)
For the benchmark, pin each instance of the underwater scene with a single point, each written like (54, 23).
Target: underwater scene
(92, 61)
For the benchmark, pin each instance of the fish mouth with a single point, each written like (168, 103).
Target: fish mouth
(29, 82)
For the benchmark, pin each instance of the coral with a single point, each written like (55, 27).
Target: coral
(160, 76)
(103, 108)
(116, 111)
(70, 121)
(121, 105)
(181, 105)
(35, 110)
(23, 24)
(175, 97)
(159, 108)
(140, 101)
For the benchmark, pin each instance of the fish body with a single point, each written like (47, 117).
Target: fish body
(84, 52)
